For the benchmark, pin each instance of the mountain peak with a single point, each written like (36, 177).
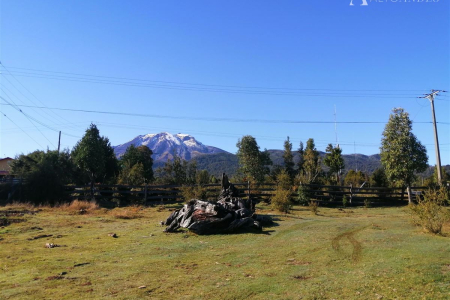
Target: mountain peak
(165, 144)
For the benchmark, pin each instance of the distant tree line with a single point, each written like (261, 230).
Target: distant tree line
(92, 160)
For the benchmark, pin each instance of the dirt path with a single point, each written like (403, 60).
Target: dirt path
(357, 247)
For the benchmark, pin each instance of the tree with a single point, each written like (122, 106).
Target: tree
(310, 163)
(94, 157)
(281, 200)
(432, 180)
(378, 178)
(202, 177)
(288, 158)
(355, 178)
(133, 156)
(44, 174)
(252, 162)
(177, 171)
(334, 160)
(301, 153)
(401, 153)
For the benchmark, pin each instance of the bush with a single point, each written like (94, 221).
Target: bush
(190, 192)
(303, 197)
(44, 174)
(344, 201)
(80, 207)
(281, 200)
(430, 212)
(314, 207)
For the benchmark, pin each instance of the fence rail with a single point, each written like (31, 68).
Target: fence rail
(324, 194)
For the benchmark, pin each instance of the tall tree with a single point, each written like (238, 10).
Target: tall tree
(334, 160)
(401, 153)
(311, 162)
(252, 162)
(177, 171)
(288, 158)
(301, 153)
(94, 157)
(137, 155)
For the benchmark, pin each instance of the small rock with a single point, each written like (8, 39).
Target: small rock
(142, 287)
(112, 235)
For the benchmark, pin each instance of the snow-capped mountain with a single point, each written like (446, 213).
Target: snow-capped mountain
(164, 144)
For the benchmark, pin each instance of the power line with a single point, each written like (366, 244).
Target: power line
(23, 86)
(320, 92)
(21, 129)
(213, 85)
(209, 119)
(30, 118)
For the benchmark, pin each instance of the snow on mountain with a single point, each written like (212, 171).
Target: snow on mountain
(165, 144)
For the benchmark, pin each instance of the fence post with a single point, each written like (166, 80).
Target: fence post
(248, 195)
(145, 194)
(403, 193)
(351, 193)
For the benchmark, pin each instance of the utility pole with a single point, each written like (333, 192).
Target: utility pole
(59, 141)
(430, 97)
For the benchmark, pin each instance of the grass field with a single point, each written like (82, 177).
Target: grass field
(357, 253)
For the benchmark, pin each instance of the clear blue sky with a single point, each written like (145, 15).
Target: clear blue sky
(203, 59)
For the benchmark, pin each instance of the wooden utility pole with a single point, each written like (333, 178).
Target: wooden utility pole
(59, 141)
(430, 97)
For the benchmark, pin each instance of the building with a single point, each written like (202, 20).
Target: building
(5, 166)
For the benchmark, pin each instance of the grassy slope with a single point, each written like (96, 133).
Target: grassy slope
(368, 254)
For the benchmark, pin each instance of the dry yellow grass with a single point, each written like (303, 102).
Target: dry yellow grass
(132, 212)
(80, 206)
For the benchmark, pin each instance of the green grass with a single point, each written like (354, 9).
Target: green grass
(358, 253)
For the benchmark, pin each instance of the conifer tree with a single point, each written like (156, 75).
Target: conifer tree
(288, 158)
(334, 160)
(252, 162)
(401, 153)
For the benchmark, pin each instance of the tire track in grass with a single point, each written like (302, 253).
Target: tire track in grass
(349, 235)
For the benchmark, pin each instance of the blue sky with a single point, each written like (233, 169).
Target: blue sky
(228, 61)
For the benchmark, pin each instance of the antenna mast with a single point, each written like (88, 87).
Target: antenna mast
(335, 126)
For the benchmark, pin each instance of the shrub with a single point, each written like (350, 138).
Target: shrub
(190, 192)
(281, 200)
(314, 207)
(344, 201)
(430, 212)
(303, 197)
(80, 207)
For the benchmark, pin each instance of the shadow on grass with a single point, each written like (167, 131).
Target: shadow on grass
(278, 217)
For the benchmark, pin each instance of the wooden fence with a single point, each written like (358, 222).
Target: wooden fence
(325, 194)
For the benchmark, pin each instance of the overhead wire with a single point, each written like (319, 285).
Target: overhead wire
(335, 93)
(21, 129)
(24, 87)
(30, 119)
(212, 85)
(209, 119)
